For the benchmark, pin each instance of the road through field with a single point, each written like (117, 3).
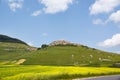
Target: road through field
(114, 77)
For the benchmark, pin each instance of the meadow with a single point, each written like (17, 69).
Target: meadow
(37, 72)
(59, 56)
(54, 62)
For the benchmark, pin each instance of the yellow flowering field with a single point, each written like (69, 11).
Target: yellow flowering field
(36, 72)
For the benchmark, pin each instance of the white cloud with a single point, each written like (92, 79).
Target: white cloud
(15, 4)
(98, 21)
(36, 13)
(54, 6)
(103, 6)
(114, 41)
(44, 34)
(30, 43)
(117, 52)
(115, 17)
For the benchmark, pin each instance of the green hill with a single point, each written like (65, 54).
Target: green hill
(4, 38)
(56, 54)
(10, 48)
(71, 55)
(10, 51)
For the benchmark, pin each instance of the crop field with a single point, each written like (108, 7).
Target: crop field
(22, 62)
(37, 72)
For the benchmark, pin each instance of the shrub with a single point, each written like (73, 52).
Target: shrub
(44, 46)
(116, 65)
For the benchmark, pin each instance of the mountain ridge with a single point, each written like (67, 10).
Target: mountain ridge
(5, 38)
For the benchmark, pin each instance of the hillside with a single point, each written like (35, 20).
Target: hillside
(71, 55)
(11, 48)
(4, 38)
(10, 51)
(57, 54)
(61, 52)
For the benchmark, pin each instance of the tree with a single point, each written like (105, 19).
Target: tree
(44, 46)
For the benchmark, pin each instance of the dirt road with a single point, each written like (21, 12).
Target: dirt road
(114, 77)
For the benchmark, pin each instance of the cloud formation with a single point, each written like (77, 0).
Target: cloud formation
(53, 6)
(36, 13)
(15, 4)
(98, 21)
(44, 34)
(114, 41)
(30, 43)
(115, 17)
(103, 6)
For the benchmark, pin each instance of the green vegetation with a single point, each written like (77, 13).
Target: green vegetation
(56, 55)
(44, 46)
(4, 38)
(9, 52)
(69, 55)
(19, 61)
(52, 72)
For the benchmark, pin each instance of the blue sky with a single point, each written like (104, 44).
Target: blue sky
(95, 23)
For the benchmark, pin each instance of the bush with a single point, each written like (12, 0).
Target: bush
(116, 65)
(44, 46)
(38, 48)
(85, 46)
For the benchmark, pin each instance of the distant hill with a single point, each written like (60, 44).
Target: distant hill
(11, 48)
(60, 52)
(4, 38)
(63, 43)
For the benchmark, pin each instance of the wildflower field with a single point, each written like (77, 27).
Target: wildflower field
(36, 72)
(22, 62)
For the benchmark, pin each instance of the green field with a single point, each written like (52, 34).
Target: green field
(10, 53)
(23, 62)
(36, 72)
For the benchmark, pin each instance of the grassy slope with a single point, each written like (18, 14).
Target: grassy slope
(10, 51)
(56, 55)
(70, 56)
(5, 38)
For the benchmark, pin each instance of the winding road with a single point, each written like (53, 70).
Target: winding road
(113, 77)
